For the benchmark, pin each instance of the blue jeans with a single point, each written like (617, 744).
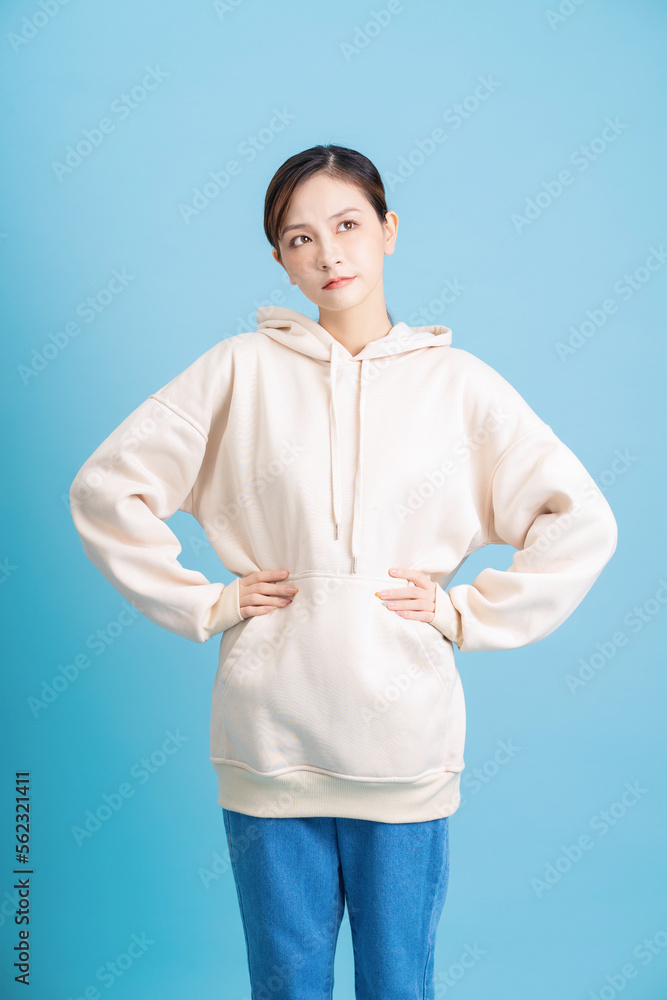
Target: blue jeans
(293, 878)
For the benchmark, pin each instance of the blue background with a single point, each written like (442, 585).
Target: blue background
(223, 71)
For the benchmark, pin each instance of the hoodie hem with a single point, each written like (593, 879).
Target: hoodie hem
(311, 793)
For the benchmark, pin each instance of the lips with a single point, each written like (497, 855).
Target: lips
(338, 282)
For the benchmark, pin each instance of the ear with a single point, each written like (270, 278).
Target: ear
(274, 253)
(391, 229)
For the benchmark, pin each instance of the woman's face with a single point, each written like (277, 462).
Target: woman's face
(331, 230)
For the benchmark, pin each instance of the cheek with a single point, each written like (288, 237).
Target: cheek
(299, 267)
(372, 262)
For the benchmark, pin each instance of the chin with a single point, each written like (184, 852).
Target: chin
(341, 301)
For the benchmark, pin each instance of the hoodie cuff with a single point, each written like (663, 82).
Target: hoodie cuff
(447, 619)
(226, 611)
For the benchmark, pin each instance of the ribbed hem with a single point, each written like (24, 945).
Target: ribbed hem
(226, 611)
(447, 619)
(311, 793)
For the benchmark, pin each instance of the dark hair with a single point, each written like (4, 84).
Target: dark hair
(336, 161)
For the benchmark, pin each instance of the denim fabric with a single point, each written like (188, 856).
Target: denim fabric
(294, 877)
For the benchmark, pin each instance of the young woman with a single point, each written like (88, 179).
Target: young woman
(343, 469)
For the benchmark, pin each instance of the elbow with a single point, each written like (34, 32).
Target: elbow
(603, 528)
(79, 490)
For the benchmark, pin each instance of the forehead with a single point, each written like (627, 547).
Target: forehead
(322, 196)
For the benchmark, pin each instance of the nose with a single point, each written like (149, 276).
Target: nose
(328, 255)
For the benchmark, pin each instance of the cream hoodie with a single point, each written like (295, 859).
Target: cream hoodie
(293, 453)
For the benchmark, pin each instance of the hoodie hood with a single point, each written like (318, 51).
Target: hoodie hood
(305, 335)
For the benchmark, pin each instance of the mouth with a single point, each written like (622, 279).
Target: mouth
(338, 282)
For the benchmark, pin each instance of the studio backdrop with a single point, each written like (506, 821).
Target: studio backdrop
(523, 147)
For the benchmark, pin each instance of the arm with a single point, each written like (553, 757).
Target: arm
(138, 477)
(543, 502)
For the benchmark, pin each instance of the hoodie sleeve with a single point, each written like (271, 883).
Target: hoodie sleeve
(138, 477)
(542, 501)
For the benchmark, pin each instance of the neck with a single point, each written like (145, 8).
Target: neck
(359, 325)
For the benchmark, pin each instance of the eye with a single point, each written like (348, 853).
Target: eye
(293, 242)
(302, 236)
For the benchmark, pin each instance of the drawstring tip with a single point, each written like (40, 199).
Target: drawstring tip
(354, 564)
(336, 532)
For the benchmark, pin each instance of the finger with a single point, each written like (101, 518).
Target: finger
(416, 615)
(267, 575)
(248, 612)
(420, 605)
(417, 576)
(271, 589)
(402, 592)
(262, 600)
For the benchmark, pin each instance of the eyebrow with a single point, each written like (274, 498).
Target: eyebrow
(304, 225)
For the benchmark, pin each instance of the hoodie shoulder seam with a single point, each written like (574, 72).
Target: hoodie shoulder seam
(179, 413)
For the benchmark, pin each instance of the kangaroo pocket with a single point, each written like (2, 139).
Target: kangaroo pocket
(336, 682)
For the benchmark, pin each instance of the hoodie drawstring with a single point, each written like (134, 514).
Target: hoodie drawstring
(358, 494)
(333, 432)
(335, 459)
